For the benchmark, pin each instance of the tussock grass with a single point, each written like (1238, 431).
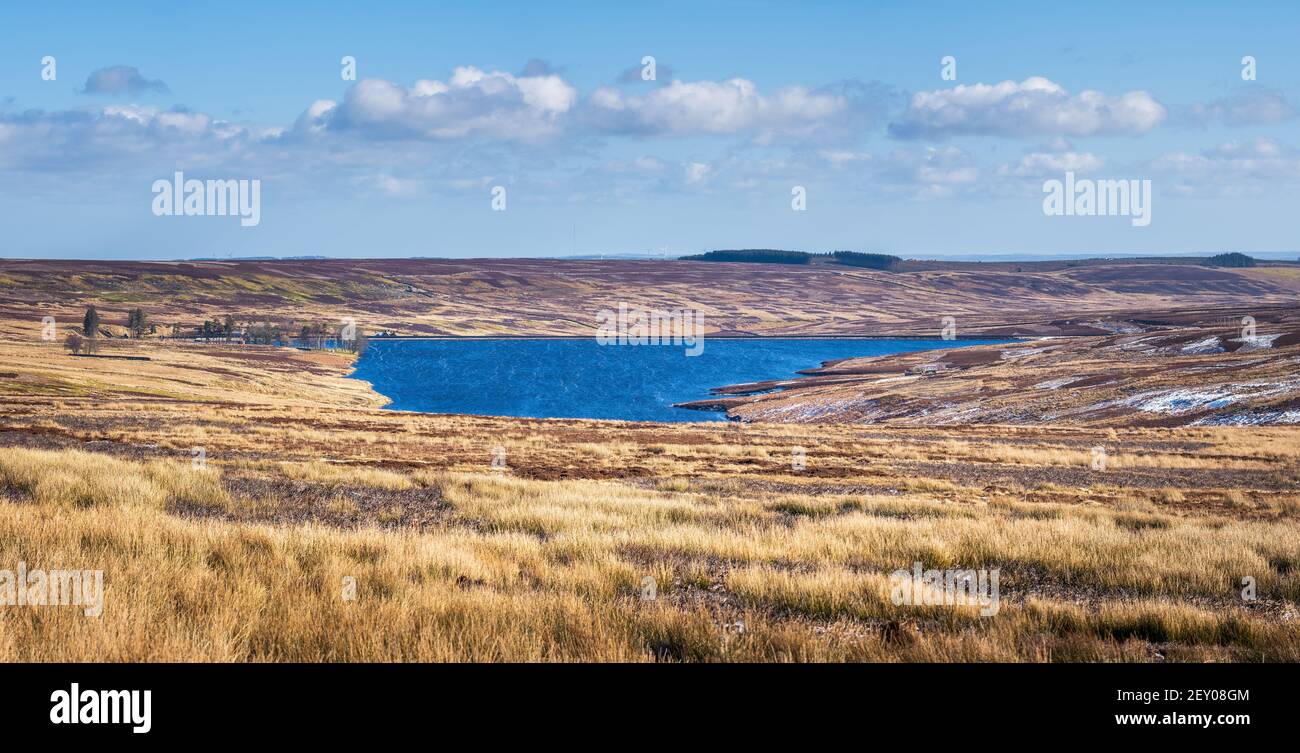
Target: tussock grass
(544, 561)
(82, 479)
(551, 571)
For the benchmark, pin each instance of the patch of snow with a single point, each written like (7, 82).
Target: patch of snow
(1175, 402)
(1179, 401)
(1208, 345)
(1022, 352)
(1251, 418)
(1258, 342)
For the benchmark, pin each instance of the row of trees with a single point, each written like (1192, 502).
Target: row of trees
(137, 323)
(778, 256)
(212, 329)
(311, 335)
(758, 255)
(1232, 259)
(870, 261)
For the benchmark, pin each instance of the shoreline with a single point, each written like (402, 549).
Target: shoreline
(406, 338)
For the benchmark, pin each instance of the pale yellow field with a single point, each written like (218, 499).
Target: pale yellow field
(324, 529)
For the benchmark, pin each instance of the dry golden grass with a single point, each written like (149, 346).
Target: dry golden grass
(752, 558)
(79, 479)
(532, 570)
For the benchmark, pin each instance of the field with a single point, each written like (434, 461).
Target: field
(550, 297)
(314, 526)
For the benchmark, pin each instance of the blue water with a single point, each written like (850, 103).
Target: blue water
(583, 379)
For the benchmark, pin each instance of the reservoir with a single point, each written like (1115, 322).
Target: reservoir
(580, 378)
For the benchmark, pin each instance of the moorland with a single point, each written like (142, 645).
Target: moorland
(254, 503)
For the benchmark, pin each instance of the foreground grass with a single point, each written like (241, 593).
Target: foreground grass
(526, 570)
(310, 496)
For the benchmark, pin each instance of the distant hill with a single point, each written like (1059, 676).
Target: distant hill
(542, 297)
(888, 262)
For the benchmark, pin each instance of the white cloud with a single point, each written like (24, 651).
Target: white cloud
(1231, 168)
(315, 119)
(1043, 164)
(471, 103)
(932, 172)
(734, 106)
(1033, 107)
(696, 172)
(1250, 149)
(78, 139)
(442, 136)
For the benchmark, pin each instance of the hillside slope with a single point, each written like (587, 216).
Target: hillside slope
(1163, 376)
(545, 297)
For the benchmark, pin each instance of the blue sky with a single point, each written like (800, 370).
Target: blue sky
(546, 100)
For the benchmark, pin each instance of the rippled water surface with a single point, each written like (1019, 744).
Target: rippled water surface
(579, 378)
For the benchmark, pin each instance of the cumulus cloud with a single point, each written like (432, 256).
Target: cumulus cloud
(1044, 164)
(1254, 156)
(443, 136)
(1231, 168)
(74, 139)
(1250, 107)
(732, 107)
(471, 103)
(1033, 107)
(932, 172)
(121, 79)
